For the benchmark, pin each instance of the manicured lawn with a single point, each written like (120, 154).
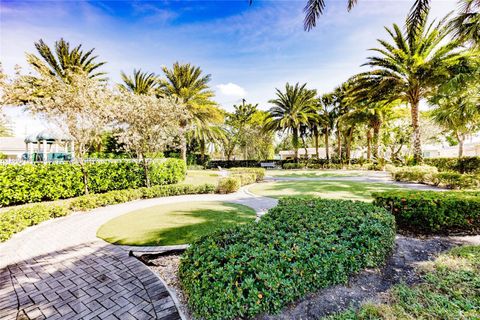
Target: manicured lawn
(198, 177)
(312, 173)
(178, 223)
(327, 189)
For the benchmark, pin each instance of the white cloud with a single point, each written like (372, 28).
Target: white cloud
(232, 90)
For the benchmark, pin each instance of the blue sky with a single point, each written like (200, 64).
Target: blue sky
(248, 50)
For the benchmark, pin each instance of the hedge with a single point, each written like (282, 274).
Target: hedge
(17, 219)
(461, 165)
(433, 212)
(313, 163)
(430, 175)
(302, 245)
(258, 172)
(239, 177)
(25, 183)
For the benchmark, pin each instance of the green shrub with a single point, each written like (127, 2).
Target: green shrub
(245, 178)
(300, 246)
(24, 183)
(229, 185)
(292, 165)
(455, 180)
(259, 172)
(461, 165)
(427, 212)
(421, 174)
(15, 220)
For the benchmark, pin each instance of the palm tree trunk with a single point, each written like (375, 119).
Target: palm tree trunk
(369, 143)
(376, 138)
(295, 142)
(316, 134)
(349, 143)
(202, 151)
(461, 140)
(339, 144)
(326, 145)
(417, 143)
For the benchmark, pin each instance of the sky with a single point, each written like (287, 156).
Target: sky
(249, 50)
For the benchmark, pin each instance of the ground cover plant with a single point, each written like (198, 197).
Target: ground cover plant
(333, 189)
(433, 211)
(301, 245)
(449, 291)
(171, 224)
(16, 219)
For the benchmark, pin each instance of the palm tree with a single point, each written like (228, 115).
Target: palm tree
(140, 83)
(292, 108)
(467, 22)
(64, 60)
(408, 68)
(189, 86)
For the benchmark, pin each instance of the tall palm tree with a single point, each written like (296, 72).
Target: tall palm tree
(65, 59)
(291, 109)
(189, 86)
(408, 68)
(467, 22)
(140, 83)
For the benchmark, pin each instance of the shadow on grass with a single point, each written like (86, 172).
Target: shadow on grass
(327, 189)
(157, 228)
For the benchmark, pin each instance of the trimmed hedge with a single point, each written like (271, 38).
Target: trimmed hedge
(430, 175)
(258, 172)
(25, 183)
(461, 165)
(17, 219)
(300, 246)
(432, 212)
(229, 185)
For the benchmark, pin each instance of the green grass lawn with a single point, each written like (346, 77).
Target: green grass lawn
(328, 189)
(197, 177)
(312, 173)
(171, 224)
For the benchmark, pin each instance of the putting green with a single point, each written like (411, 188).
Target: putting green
(170, 224)
(333, 189)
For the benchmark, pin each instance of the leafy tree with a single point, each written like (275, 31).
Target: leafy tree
(408, 69)
(140, 82)
(292, 108)
(187, 84)
(65, 60)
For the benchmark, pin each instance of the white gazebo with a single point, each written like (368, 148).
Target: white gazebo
(48, 146)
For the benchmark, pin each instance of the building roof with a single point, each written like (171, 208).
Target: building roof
(12, 144)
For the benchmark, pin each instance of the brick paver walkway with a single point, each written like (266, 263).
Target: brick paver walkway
(61, 270)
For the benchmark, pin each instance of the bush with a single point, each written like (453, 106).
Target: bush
(461, 165)
(293, 165)
(302, 245)
(24, 183)
(17, 219)
(258, 172)
(245, 178)
(421, 174)
(229, 185)
(427, 212)
(455, 180)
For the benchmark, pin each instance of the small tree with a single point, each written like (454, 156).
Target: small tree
(147, 125)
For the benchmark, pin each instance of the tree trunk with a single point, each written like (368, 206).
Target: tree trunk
(84, 177)
(417, 143)
(202, 152)
(183, 149)
(295, 142)
(369, 143)
(376, 138)
(327, 155)
(349, 143)
(315, 132)
(461, 140)
(145, 171)
(339, 144)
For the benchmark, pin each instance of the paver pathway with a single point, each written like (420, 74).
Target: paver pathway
(61, 270)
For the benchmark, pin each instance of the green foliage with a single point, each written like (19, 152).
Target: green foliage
(421, 174)
(258, 172)
(293, 165)
(245, 178)
(300, 246)
(229, 184)
(462, 165)
(449, 291)
(433, 212)
(44, 182)
(17, 219)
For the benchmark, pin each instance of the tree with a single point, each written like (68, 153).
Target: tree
(140, 83)
(292, 108)
(187, 84)
(65, 60)
(467, 22)
(5, 129)
(147, 125)
(408, 69)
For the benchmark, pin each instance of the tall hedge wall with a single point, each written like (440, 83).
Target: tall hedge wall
(24, 183)
(462, 165)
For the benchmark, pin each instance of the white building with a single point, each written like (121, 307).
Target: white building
(12, 147)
